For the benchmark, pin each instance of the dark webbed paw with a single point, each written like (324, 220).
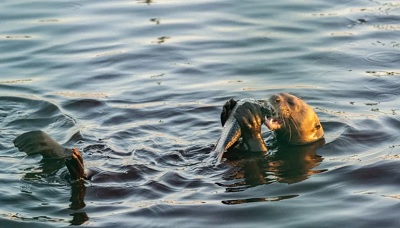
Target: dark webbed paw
(250, 119)
(75, 165)
(227, 109)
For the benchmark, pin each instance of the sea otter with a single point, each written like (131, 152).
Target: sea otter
(293, 121)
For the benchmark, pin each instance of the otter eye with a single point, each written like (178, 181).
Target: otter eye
(290, 102)
(277, 100)
(317, 126)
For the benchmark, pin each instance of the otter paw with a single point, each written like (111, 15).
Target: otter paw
(75, 165)
(227, 109)
(249, 118)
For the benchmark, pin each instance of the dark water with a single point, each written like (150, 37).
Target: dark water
(138, 87)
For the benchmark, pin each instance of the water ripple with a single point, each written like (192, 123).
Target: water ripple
(137, 87)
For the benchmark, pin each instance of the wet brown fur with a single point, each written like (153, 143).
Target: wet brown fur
(300, 124)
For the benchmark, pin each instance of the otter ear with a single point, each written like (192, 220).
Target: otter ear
(317, 126)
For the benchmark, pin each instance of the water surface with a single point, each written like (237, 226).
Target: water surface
(137, 86)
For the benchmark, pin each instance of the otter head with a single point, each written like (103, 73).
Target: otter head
(294, 121)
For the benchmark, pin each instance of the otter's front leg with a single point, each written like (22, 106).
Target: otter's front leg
(250, 120)
(75, 165)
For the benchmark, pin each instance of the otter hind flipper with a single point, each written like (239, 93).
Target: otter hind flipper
(75, 165)
(38, 142)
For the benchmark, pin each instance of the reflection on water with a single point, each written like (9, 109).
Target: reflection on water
(79, 218)
(46, 168)
(252, 200)
(48, 172)
(287, 164)
(78, 190)
(146, 1)
(292, 164)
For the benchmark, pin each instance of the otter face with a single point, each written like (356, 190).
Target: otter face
(293, 120)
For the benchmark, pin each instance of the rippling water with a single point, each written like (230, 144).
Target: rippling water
(138, 87)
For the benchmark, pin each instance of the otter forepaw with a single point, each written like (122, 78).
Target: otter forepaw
(227, 109)
(249, 118)
(75, 165)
